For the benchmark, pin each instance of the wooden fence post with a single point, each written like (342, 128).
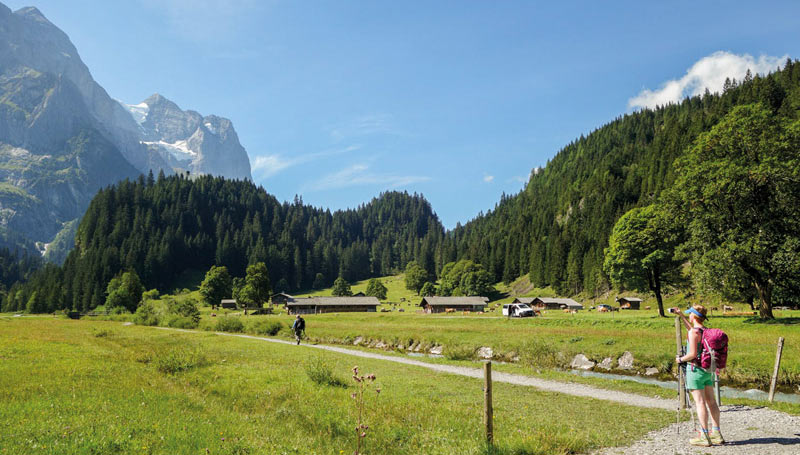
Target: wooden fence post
(775, 371)
(681, 380)
(487, 402)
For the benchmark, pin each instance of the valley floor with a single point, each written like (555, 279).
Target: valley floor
(101, 387)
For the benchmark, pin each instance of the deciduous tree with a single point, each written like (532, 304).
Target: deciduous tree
(641, 251)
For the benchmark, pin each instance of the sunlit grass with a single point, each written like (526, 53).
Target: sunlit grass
(64, 389)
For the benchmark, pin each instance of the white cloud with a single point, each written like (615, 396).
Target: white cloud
(360, 174)
(707, 73)
(488, 178)
(265, 166)
(364, 125)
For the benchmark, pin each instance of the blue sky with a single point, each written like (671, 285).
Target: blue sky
(339, 100)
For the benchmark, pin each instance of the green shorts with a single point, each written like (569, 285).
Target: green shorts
(698, 378)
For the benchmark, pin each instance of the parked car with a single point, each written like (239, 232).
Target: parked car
(603, 308)
(518, 310)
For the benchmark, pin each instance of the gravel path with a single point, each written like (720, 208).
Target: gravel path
(748, 430)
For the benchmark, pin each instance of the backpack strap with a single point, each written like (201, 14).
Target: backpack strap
(697, 361)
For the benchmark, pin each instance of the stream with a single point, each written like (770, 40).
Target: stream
(725, 392)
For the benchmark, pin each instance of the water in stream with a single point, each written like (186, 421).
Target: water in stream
(726, 392)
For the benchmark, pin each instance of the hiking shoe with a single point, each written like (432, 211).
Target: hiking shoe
(702, 441)
(716, 438)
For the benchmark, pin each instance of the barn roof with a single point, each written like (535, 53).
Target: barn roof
(334, 301)
(568, 302)
(283, 294)
(449, 301)
(631, 299)
(525, 300)
(228, 301)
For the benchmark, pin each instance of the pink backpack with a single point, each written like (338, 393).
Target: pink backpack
(714, 347)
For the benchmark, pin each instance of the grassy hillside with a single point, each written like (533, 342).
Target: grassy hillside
(141, 390)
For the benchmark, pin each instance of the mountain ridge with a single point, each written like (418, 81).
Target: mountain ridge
(62, 137)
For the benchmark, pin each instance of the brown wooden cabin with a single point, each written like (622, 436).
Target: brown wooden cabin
(442, 304)
(629, 303)
(318, 305)
(553, 303)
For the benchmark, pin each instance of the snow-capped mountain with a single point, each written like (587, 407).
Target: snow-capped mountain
(188, 141)
(62, 137)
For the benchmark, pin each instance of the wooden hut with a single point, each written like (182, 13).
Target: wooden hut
(281, 298)
(228, 304)
(629, 303)
(553, 303)
(442, 304)
(317, 305)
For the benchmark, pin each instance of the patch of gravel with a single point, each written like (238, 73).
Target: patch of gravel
(747, 431)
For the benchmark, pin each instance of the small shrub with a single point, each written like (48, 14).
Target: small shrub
(609, 342)
(575, 339)
(117, 310)
(540, 354)
(229, 324)
(152, 294)
(103, 333)
(174, 361)
(186, 309)
(265, 327)
(182, 322)
(459, 353)
(320, 372)
(146, 314)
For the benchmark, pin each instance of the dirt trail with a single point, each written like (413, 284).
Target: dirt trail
(748, 430)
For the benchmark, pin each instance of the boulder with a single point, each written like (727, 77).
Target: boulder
(380, 345)
(485, 352)
(626, 361)
(606, 364)
(437, 350)
(581, 362)
(358, 341)
(652, 371)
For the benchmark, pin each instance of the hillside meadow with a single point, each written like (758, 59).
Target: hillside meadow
(77, 387)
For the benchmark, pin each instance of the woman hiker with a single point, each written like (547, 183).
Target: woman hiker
(699, 381)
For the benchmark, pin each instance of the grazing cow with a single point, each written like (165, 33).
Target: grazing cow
(727, 308)
(449, 310)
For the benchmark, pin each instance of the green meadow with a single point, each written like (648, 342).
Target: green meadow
(541, 343)
(79, 387)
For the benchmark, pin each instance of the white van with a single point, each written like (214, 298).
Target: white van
(518, 310)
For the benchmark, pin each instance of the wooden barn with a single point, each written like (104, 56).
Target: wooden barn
(318, 305)
(553, 303)
(526, 300)
(228, 304)
(281, 298)
(629, 303)
(442, 304)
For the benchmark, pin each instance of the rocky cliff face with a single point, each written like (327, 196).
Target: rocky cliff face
(62, 137)
(188, 141)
